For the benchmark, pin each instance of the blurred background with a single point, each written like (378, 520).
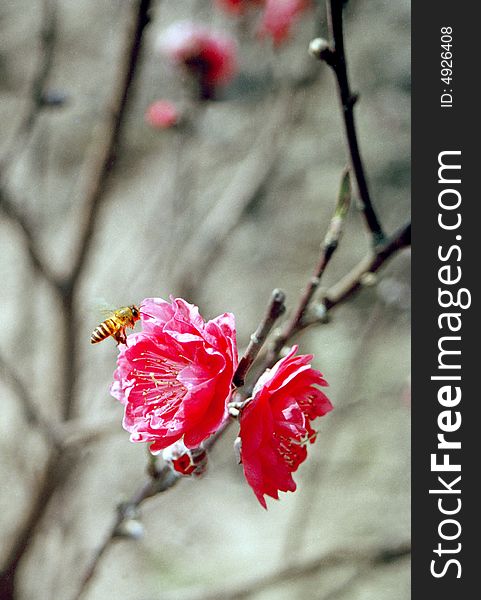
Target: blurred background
(100, 203)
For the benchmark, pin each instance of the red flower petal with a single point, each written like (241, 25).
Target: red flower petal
(174, 378)
(275, 426)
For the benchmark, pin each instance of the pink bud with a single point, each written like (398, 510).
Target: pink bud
(162, 114)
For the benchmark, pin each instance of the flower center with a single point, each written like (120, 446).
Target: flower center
(156, 380)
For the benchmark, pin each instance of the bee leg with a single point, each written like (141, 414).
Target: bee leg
(120, 336)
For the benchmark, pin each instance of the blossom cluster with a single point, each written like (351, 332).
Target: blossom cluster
(209, 56)
(175, 380)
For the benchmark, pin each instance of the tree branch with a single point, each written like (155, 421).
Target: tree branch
(48, 34)
(33, 247)
(54, 473)
(32, 413)
(337, 62)
(368, 557)
(160, 480)
(275, 309)
(105, 155)
(103, 161)
(328, 247)
(353, 281)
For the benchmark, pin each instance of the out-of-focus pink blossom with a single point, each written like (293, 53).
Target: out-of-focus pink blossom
(185, 461)
(237, 7)
(209, 55)
(278, 18)
(162, 114)
(275, 426)
(174, 377)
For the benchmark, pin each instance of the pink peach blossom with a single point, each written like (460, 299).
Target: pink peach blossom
(174, 377)
(275, 426)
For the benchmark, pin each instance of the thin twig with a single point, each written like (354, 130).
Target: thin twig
(354, 281)
(275, 309)
(339, 65)
(328, 248)
(159, 481)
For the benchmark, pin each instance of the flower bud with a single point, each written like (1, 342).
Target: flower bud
(162, 114)
(319, 48)
(185, 461)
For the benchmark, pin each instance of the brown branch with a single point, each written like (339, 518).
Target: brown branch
(328, 248)
(32, 413)
(368, 557)
(105, 154)
(18, 218)
(348, 286)
(353, 282)
(275, 309)
(36, 96)
(54, 474)
(103, 161)
(160, 480)
(337, 61)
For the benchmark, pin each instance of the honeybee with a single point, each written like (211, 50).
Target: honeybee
(115, 324)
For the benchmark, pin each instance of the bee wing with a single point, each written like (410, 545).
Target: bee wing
(101, 307)
(107, 312)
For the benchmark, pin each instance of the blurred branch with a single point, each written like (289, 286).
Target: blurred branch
(10, 209)
(54, 473)
(103, 160)
(36, 96)
(32, 414)
(104, 157)
(248, 181)
(105, 153)
(367, 557)
(335, 57)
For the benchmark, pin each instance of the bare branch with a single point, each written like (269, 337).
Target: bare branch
(105, 153)
(365, 557)
(328, 248)
(275, 309)
(10, 209)
(38, 86)
(160, 480)
(336, 59)
(32, 413)
(353, 282)
(102, 160)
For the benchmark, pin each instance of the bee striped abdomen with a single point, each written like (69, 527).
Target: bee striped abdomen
(102, 331)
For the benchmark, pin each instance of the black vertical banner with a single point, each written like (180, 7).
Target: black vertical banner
(446, 169)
